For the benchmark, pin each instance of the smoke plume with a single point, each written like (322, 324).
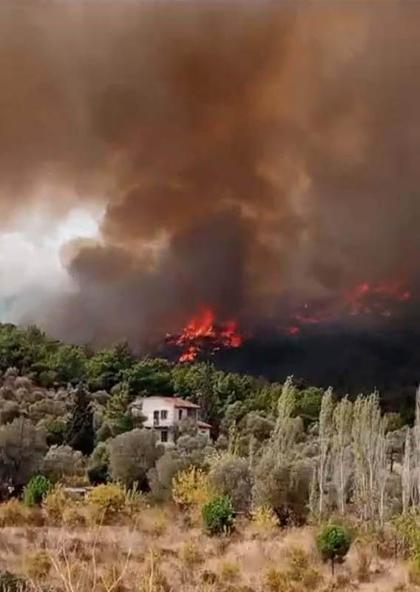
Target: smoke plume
(257, 158)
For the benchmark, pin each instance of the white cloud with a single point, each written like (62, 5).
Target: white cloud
(29, 258)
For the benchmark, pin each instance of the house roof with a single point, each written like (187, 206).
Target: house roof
(182, 403)
(203, 424)
(177, 401)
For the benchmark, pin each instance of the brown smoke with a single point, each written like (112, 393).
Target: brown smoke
(249, 155)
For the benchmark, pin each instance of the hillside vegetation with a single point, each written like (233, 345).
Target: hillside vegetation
(298, 490)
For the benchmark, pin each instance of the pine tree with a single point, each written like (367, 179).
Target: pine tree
(117, 413)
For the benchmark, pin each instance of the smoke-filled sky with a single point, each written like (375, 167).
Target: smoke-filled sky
(258, 158)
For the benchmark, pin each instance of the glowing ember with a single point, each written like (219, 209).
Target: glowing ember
(204, 334)
(367, 298)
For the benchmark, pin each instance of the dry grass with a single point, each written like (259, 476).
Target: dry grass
(160, 552)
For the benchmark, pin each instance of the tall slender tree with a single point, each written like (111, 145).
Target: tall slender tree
(343, 465)
(366, 445)
(416, 451)
(325, 441)
(406, 475)
(80, 433)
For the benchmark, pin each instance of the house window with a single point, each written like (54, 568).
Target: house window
(191, 412)
(180, 414)
(163, 436)
(164, 414)
(155, 417)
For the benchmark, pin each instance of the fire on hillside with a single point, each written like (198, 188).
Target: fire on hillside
(203, 334)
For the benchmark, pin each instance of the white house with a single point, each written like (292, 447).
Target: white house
(165, 414)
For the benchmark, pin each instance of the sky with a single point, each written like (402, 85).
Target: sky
(31, 257)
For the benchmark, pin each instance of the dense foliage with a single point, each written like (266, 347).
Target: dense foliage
(218, 515)
(333, 542)
(36, 489)
(282, 450)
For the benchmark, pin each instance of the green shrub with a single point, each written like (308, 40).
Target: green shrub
(333, 542)
(36, 490)
(218, 515)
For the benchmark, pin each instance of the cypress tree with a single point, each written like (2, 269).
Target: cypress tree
(80, 433)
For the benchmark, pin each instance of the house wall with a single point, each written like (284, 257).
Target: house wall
(148, 405)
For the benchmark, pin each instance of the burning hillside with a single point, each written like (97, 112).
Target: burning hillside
(258, 158)
(204, 335)
(366, 302)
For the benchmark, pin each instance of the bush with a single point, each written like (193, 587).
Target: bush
(111, 501)
(407, 531)
(36, 490)
(191, 487)
(38, 565)
(275, 580)
(264, 519)
(61, 462)
(13, 513)
(190, 554)
(231, 476)
(106, 502)
(98, 464)
(162, 475)
(414, 572)
(10, 582)
(22, 448)
(74, 515)
(132, 455)
(333, 542)
(229, 571)
(283, 486)
(300, 569)
(218, 515)
(55, 503)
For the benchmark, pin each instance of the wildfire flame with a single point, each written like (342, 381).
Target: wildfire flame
(368, 298)
(365, 299)
(203, 333)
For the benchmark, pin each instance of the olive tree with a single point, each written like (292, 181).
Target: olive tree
(22, 448)
(132, 455)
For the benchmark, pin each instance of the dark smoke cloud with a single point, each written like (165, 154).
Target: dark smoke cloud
(250, 156)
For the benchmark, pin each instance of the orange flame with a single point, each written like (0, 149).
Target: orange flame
(203, 333)
(368, 298)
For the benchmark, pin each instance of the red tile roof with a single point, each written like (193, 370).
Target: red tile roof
(182, 403)
(203, 424)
